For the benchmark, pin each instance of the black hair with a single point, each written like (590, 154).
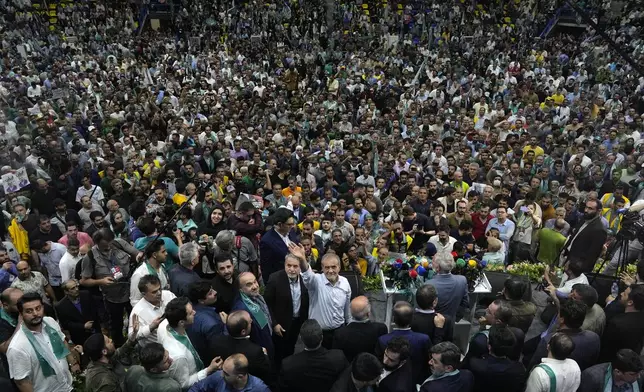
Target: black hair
(198, 290)
(151, 355)
(154, 247)
(94, 346)
(425, 296)
(561, 346)
(366, 367)
(223, 257)
(573, 313)
(146, 280)
(587, 293)
(400, 346)
(175, 311)
(449, 352)
(26, 298)
(501, 340)
(281, 215)
(514, 288)
(311, 333)
(627, 360)
(637, 296)
(403, 314)
(95, 214)
(103, 234)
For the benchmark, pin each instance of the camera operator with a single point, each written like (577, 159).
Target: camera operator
(631, 230)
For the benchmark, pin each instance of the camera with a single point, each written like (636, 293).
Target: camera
(632, 227)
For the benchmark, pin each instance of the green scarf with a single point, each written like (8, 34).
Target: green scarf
(255, 310)
(7, 317)
(57, 345)
(183, 339)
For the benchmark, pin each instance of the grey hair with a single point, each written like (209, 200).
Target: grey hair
(445, 262)
(225, 239)
(187, 253)
(362, 315)
(68, 281)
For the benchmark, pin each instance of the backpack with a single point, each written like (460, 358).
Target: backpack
(78, 270)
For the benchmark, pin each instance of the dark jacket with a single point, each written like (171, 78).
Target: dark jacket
(479, 345)
(74, 321)
(419, 351)
(587, 245)
(344, 382)
(317, 370)
(357, 337)
(522, 314)
(593, 379)
(585, 353)
(400, 380)
(497, 374)
(272, 251)
(261, 336)
(258, 364)
(624, 330)
(278, 298)
(461, 382)
(246, 229)
(206, 326)
(226, 293)
(109, 376)
(424, 323)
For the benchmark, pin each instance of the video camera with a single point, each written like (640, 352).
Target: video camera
(632, 227)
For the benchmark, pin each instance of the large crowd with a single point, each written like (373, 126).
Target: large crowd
(192, 204)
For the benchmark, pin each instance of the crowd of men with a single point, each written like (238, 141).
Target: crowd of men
(201, 196)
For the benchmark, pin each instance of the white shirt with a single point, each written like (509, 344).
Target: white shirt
(146, 312)
(296, 295)
(567, 374)
(97, 196)
(184, 368)
(329, 304)
(23, 362)
(440, 247)
(67, 266)
(566, 284)
(141, 271)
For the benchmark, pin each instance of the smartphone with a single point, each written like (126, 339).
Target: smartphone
(523, 209)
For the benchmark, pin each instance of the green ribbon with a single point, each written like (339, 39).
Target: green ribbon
(255, 310)
(57, 345)
(183, 339)
(7, 317)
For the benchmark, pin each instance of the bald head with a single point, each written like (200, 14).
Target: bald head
(360, 308)
(236, 365)
(10, 297)
(238, 323)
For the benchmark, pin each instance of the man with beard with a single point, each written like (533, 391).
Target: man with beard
(76, 313)
(250, 300)
(105, 372)
(444, 361)
(223, 282)
(45, 231)
(62, 216)
(397, 367)
(33, 364)
(588, 238)
(98, 222)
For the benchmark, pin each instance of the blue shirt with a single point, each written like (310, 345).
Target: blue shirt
(170, 247)
(506, 230)
(215, 382)
(180, 279)
(7, 276)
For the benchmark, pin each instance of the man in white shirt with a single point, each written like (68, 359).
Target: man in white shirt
(92, 191)
(38, 355)
(557, 368)
(156, 255)
(443, 241)
(329, 293)
(69, 260)
(186, 367)
(149, 310)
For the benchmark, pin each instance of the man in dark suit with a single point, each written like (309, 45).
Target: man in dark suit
(625, 330)
(497, 313)
(224, 282)
(398, 374)
(238, 340)
(361, 335)
(451, 289)
(288, 302)
(496, 371)
(273, 245)
(316, 367)
(438, 327)
(365, 371)
(250, 300)
(621, 372)
(587, 240)
(403, 315)
(76, 312)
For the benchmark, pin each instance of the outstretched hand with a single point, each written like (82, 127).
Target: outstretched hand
(297, 250)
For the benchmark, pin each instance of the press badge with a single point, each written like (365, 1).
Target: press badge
(116, 273)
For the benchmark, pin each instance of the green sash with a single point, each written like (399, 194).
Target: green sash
(57, 345)
(255, 310)
(608, 381)
(551, 376)
(183, 339)
(7, 317)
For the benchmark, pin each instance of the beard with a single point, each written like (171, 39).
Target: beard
(390, 368)
(588, 216)
(36, 321)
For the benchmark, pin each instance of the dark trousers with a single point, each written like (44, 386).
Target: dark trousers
(529, 348)
(285, 346)
(327, 338)
(115, 313)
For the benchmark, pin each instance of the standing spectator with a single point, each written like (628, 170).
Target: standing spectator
(33, 282)
(551, 242)
(224, 282)
(451, 289)
(234, 375)
(363, 374)
(397, 374)
(40, 364)
(288, 301)
(45, 231)
(72, 232)
(92, 191)
(587, 239)
(105, 370)
(426, 320)
(250, 300)
(503, 225)
(497, 313)
(76, 313)
(208, 322)
(274, 245)
(69, 260)
(595, 319)
(316, 366)
(444, 362)
(152, 375)
(523, 312)
(49, 254)
(556, 372)
(625, 330)
(155, 255)
(624, 372)
(147, 314)
(329, 293)
(361, 334)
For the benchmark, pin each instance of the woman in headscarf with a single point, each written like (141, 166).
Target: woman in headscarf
(211, 227)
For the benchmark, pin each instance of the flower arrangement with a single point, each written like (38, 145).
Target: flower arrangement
(534, 271)
(407, 273)
(469, 266)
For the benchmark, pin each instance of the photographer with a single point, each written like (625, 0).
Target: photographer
(108, 265)
(630, 230)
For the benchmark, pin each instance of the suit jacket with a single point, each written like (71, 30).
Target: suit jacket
(452, 293)
(317, 369)
(593, 379)
(261, 336)
(478, 345)
(419, 351)
(400, 380)
(497, 374)
(424, 323)
(355, 338)
(624, 330)
(344, 382)
(272, 251)
(586, 244)
(258, 363)
(74, 321)
(278, 298)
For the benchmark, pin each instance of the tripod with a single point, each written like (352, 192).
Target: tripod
(621, 247)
